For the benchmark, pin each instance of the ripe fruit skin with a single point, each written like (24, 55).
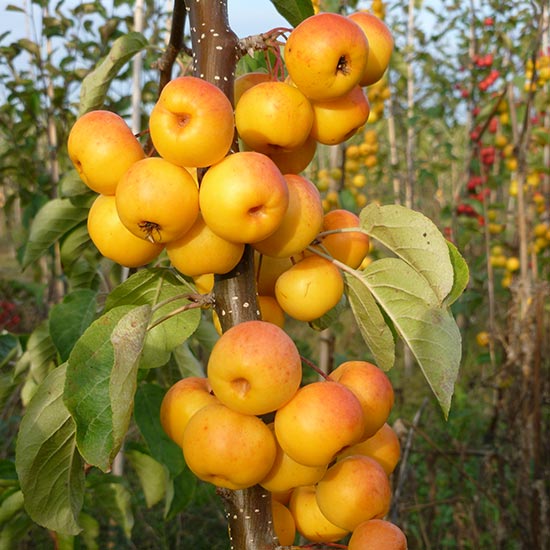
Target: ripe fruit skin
(271, 311)
(318, 422)
(296, 160)
(102, 147)
(310, 521)
(182, 400)
(283, 523)
(157, 200)
(246, 81)
(302, 221)
(286, 473)
(309, 288)
(272, 116)
(227, 448)
(383, 446)
(254, 367)
(267, 271)
(326, 55)
(200, 251)
(380, 42)
(113, 240)
(244, 197)
(336, 120)
(372, 388)
(192, 122)
(376, 534)
(353, 490)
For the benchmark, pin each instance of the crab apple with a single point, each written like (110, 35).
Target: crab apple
(353, 490)
(375, 534)
(200, 251)
(310, 288)
(295, 160)
(113, 240)
(349, 247)
(372, 388)
(326, 55)
(286, 473)
(192, 123)
(383, 446)
(283, 523)
(380, 42)
(271, 311)
(301, 222)
(336, 120)
(254, 367)
(102, 147)
(310, 521)
(272, 116)
(182, 400)
(157, 200)
(227, 448)
(267, 271)
(318, 422)
(244, 197)
(246, 81)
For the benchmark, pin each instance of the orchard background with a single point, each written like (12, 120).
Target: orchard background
(459, 130)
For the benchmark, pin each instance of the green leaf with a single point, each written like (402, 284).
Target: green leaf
(371, 322)
(70, 318)
(180, 493)
(50, 470)
(461, 274)
(147, 416)
(151, 474)
(330, 317)
(415, 239)
(426, 327)
(54, 219)
(152, 286)
(73, 246)
(294, 11)
(101, 381)
(9, 345)
(95, 86)
(11, 502)
(90, 531)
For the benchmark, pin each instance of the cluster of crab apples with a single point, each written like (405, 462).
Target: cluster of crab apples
(324, 450)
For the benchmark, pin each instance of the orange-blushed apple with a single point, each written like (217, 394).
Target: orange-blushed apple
(326, 55)
(353, 490)
(301, 223)
(377, 534)
(318, 422)
(254, 367)
(380, 45)
(200, 251)
(337, 120)
(192, 123)
(273, 116)
(310, 288)
(246, 81)
(227, 448)
(182, 400)
(372, 387)
(309, 520)
(102, 147)
(113, 240)
(244, 197)
(157, 200)
(383, 446)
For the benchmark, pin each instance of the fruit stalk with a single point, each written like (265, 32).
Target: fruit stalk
(216, 52)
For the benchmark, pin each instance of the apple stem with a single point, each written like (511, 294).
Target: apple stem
(311, 364)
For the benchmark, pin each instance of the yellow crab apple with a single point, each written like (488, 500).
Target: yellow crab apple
(254, 367)
(102, 147)
(295, 160)
(326, 55)
(267, 270)
(380, 42)
(301, 222)
(182, 400)
(283, 523)
(244, 197)
(273, 116)
(192, 123)
(318, 422)
(157, 200)
(336, 120)
(227, 448)
(200, 251)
